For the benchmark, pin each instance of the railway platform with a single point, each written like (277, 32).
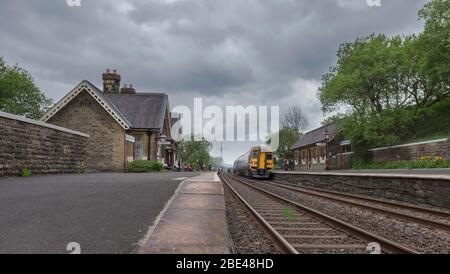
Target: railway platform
(431, 173)
(427, 186)
(194, 221)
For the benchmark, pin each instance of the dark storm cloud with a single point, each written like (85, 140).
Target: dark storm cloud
(196, 45)
(266, 52)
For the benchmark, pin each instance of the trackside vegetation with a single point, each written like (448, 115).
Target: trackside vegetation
(428, 163)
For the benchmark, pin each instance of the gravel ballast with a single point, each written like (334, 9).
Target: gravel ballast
(301, 225)
(419, 237)
(247, 235)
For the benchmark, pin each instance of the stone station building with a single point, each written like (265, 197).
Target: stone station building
(123, 125)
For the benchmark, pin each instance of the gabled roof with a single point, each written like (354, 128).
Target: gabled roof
(143, 110)
(139, 111)
(97, 94)
(316, 136)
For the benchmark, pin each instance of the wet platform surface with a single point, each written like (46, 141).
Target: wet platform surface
(194, 222)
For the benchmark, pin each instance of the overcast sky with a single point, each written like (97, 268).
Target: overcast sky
(229, 52)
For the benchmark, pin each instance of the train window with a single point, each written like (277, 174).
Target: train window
(254, 154)
(269, 156)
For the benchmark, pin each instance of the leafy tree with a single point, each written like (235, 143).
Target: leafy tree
(372, 74)
(288, 137)
(433, 45)
(196, 153)
(380, 72)
(386, 85)
(216, 162)
(18, 93)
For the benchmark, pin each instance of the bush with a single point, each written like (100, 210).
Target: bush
(81, 167)
(25, 172)
(141, 166)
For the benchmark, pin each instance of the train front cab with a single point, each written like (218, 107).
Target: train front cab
(261, 164)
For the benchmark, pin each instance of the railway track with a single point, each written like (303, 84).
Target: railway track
(425, 216)
(295, 228)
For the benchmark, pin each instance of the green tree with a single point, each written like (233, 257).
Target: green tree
(288, 137)
(18, 93)
(387, 85)
(216, 162)
(195, 153)
(372, 74)
(433, 46)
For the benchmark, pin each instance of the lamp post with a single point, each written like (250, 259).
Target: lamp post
(285, 157)
(327, 135)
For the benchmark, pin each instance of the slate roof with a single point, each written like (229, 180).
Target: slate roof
(136, 111)
(316, 136)
(143, 110)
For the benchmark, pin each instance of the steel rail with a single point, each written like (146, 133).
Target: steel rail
(375, 200)
(384, 211)
(388, 245)
(281, 243)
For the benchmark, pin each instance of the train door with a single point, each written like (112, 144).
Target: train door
(269, 161)
(262, 161)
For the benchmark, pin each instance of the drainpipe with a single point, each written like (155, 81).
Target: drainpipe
(124, 152)
(149, 134)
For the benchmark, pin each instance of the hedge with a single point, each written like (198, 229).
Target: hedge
(142, 166)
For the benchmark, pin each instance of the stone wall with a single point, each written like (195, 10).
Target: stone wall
(106, 144)
(40, 147)
(430, 189)
(154, 145)
(406, 152)
(412, 152)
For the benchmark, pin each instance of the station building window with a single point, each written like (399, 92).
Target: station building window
(139, 147)
(346, 148)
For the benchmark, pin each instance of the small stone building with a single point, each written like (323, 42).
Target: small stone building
(123, 125)
(320, 149)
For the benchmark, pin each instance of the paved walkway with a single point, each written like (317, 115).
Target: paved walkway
(193, 222)
(103, 212)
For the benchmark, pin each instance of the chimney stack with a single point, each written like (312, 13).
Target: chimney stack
(128, 89)
(111, 81)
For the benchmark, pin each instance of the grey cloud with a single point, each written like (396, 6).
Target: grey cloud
(234, 51)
